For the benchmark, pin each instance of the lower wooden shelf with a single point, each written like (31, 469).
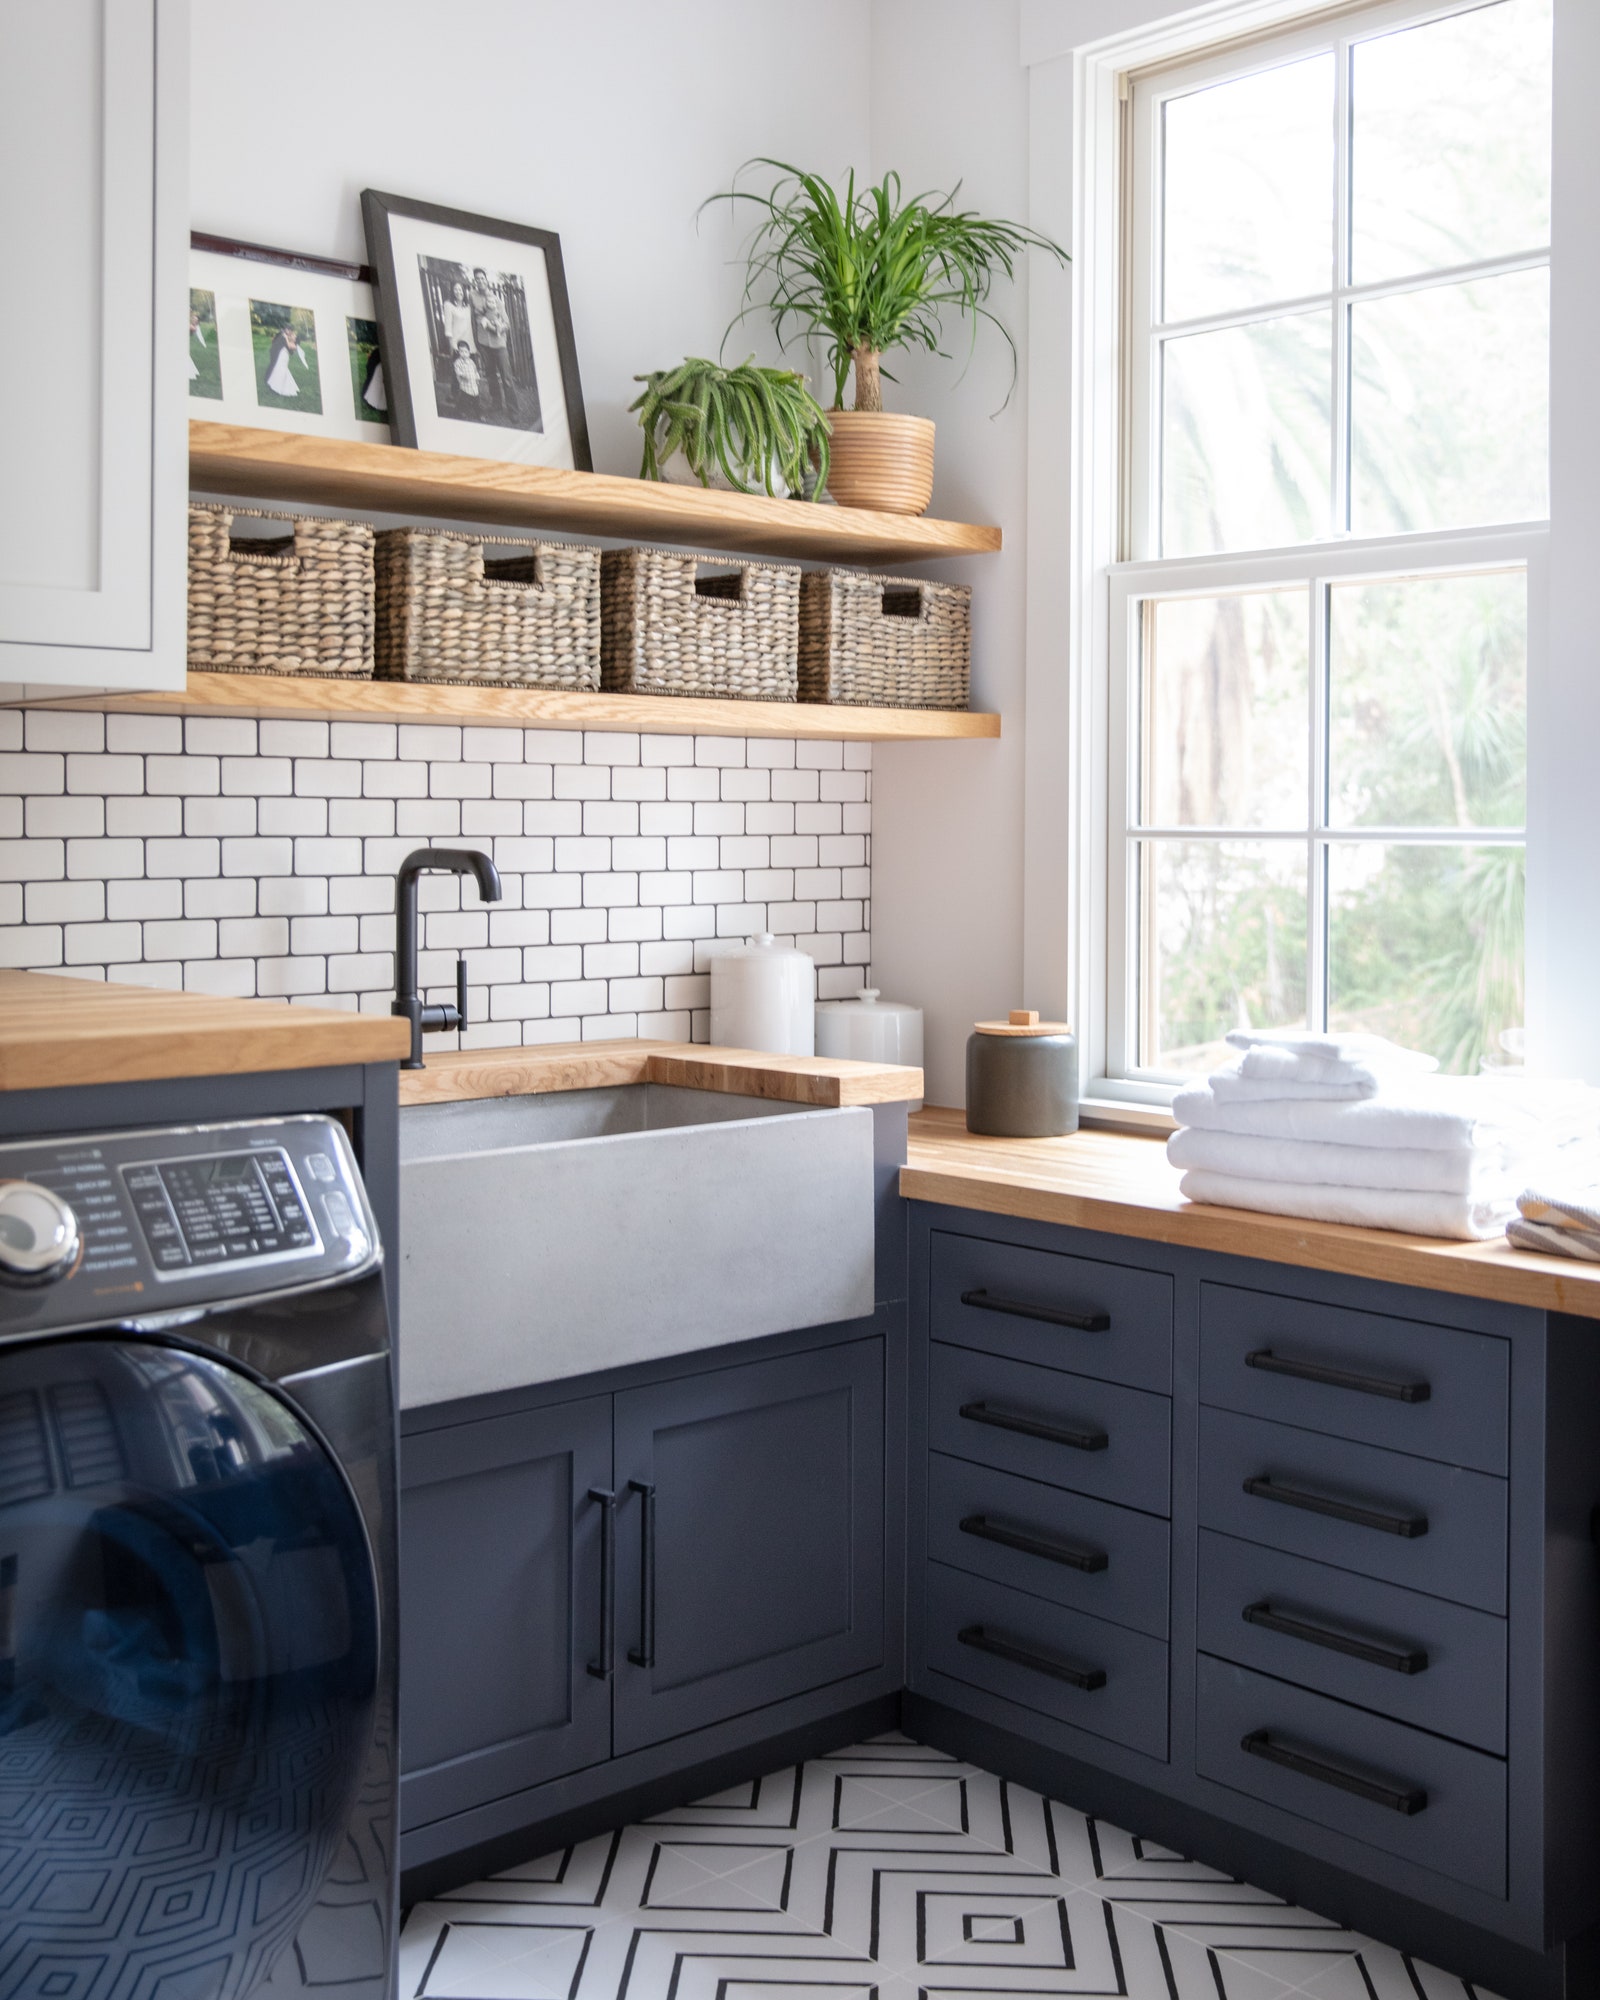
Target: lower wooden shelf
(540, 708)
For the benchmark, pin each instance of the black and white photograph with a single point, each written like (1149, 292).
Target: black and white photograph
(483, 368)
(284, 340)
(476, 328)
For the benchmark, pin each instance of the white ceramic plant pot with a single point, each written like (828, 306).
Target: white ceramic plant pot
(677, 471)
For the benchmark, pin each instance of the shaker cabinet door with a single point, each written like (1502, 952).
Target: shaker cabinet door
(94, 237)
(501, 1611)
(750, 1538)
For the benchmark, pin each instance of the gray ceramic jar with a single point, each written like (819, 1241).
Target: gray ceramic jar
(1022, 1078)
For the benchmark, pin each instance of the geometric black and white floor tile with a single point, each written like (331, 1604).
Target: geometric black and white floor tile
(886, 1872)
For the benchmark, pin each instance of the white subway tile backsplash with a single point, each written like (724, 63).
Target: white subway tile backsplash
(46, 729)
(145, 733)
(63, 816)
(231, 856)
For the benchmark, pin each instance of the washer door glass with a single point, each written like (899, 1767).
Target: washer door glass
(188, 1661)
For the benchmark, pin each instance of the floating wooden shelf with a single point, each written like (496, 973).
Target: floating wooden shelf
(282, 695)
(385, 478)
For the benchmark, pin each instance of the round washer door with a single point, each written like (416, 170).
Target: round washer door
(188, 1663)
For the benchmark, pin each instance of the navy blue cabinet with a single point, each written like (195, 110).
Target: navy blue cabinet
(592, 1576)
(1294, 1571)
(500, 1605)
(751, 1538)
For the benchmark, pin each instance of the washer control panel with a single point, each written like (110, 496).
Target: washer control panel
(219, 1209)
(134, 1224)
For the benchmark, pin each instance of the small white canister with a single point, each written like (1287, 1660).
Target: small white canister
(764, 996)
(868, 1029)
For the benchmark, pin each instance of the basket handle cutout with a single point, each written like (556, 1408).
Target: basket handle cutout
(721, 586)
(902, 600)
(266, 544)
(516, 572)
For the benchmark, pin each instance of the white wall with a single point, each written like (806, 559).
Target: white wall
(950, 102)
(608, 122)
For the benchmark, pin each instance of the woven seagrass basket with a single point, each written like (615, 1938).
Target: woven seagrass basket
(884, 641)
(675, 624)
(489, 611)
(295, 603)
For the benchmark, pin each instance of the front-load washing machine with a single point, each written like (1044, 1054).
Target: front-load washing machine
(197, 1502)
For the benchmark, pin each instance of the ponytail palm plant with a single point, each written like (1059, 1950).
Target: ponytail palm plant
(873, 270)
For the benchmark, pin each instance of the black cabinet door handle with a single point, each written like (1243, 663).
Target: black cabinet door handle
(1398, 1797)
(607, 1503)
(1407, 1525)
(1398, 1659)
(1034, 1427)
(644, 1654)
(1089, 1322)
(1070, 1671)
(1070, 1554)
(1415, 1391)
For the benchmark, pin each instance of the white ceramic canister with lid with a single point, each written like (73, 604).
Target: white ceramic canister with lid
(867, 1029)
(764, 996)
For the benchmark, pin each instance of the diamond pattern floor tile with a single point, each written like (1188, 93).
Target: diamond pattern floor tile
(885, 1872)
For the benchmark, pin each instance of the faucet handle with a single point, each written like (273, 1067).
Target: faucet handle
(461, 990)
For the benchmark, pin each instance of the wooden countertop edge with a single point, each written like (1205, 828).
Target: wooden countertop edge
(818, 1081)
(59, 1032)
(1492, 1271)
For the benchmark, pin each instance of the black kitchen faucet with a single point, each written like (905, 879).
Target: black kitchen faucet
(428, 861)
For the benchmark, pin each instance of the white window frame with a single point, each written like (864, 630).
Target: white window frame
(1078, 609)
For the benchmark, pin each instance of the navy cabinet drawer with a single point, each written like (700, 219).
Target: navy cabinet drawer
(1083, 1553)
(1065, 1312)
(1406, 1520)
(1390, 1787)
(1432, 1390)
(1098, 1677)
(1095, 1437)
(1416, 1658)
(1346, 1503)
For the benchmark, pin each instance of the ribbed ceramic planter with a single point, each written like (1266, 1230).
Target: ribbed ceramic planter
(880, 459)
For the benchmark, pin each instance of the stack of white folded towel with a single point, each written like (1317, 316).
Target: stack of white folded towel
(1350, 1128)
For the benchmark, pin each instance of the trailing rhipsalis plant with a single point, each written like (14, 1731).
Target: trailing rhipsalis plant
(873, 270)
(761, 428)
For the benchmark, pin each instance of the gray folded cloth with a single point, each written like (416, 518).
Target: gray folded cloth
(1554, 1242)
(1572, 1211)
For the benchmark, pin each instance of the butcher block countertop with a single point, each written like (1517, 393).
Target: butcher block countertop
(1121, 1183)
(56, 1031)
(820, 1081)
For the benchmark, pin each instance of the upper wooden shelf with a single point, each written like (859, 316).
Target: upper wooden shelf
(385, 478)
(285, 695)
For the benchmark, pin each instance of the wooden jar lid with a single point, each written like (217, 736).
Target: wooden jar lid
(1023, 1021)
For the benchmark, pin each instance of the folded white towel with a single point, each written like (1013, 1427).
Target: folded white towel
(1373, 1051)
(1466, 1170)
(1232, 1086)
(1554, 1242)
(1412, 1211)
(1445, 1112)
(1294, 1073)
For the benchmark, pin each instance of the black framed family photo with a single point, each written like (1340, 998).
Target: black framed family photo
(475, 325)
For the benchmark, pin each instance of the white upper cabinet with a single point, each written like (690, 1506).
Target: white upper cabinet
(94, 230)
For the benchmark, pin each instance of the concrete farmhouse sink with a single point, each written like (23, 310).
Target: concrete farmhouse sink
(550, 1235)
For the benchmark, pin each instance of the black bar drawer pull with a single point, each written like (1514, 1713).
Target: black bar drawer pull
(644, 1654)
(607, 1502)
(1407, 1525)
(1398, 1659)
(1092, 1322)
(1339, 1378)
(1087, 1678)
(1400, 1798)
(1034, 1427)
(1091, 1561)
